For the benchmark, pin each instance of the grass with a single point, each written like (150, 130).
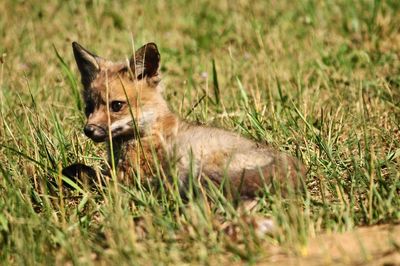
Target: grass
(317, 79)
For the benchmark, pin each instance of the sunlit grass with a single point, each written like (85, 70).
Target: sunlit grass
(317, 79)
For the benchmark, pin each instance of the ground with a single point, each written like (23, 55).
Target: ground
(317, 79)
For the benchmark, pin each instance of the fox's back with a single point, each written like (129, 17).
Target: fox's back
(218, 154)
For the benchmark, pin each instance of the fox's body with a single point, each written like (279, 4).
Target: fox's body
(124, 102)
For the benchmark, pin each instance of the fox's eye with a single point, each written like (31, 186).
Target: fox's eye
(116, 106)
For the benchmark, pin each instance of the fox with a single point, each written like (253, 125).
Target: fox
(125, 107)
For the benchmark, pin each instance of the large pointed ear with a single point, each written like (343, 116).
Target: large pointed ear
(145, 61)
(87, 63)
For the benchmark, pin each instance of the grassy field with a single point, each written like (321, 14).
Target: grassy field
(317, 79)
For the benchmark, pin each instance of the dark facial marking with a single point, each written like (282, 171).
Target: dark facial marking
(89, 108)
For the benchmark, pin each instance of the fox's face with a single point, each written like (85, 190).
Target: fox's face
(120, 98)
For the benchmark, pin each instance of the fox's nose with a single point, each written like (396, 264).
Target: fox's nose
(89, 130)
(96, 133)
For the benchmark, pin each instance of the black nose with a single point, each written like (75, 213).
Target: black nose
(89, 130)
(95, 132)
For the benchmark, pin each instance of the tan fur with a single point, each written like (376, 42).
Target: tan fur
(164, 139)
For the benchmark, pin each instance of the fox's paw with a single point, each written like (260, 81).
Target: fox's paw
(78, 172)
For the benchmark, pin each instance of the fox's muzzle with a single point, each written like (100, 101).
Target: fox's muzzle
(96, 133)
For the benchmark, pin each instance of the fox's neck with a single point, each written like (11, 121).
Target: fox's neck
(158, 134)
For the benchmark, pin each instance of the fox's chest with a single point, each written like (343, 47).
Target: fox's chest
(139, 161)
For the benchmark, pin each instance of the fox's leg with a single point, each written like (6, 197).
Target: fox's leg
(282, 174)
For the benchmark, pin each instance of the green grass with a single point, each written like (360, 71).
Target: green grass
(317, 79)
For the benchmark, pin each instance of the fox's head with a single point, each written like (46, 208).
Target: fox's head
(120, 95)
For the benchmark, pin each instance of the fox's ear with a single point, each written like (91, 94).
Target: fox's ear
(87, 63)
(145, 61)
